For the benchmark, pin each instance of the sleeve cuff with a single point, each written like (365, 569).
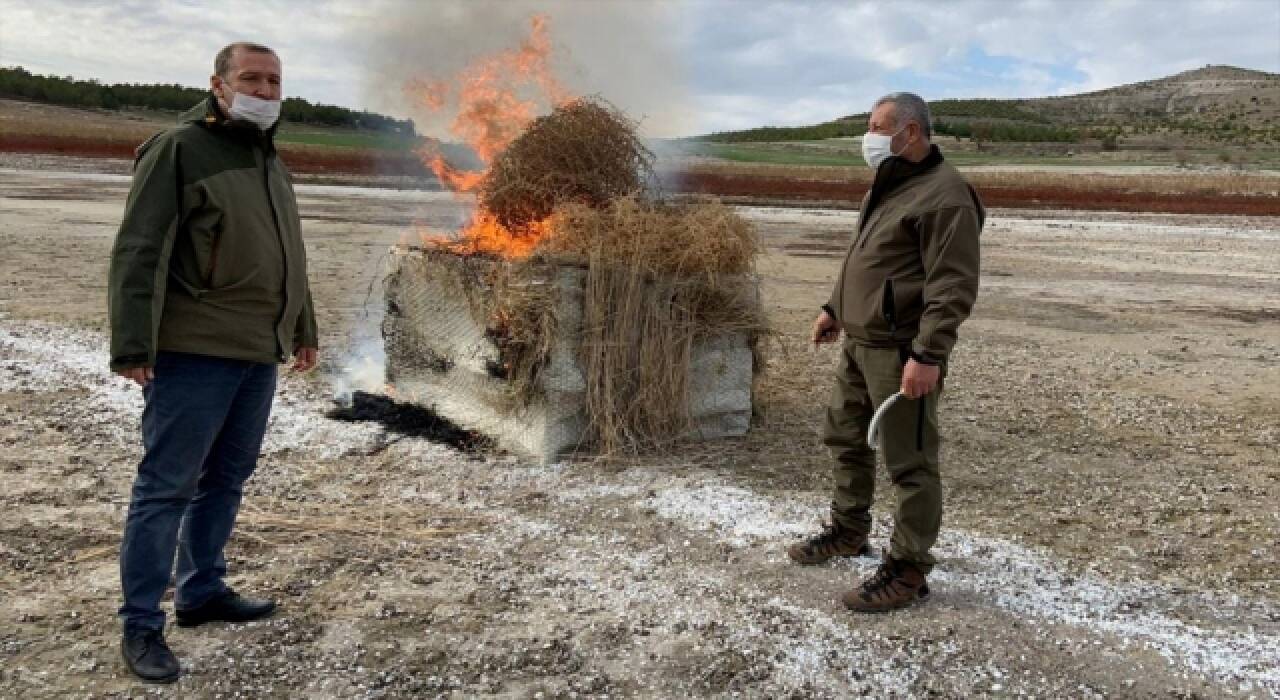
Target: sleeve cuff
(924, 358)
(130, 362)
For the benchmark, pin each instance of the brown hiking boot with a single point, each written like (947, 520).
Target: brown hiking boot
(896, 584)
(833, 541)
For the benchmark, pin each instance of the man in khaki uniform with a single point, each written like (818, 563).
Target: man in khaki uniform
(909, 279)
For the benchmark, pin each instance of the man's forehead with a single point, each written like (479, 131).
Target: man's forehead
(883, 114)
(243, 60)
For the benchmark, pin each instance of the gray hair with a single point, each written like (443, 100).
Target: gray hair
(908, 106)
(222, 62)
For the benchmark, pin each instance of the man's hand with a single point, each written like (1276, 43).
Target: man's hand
(304, 359)
(826, 329)
(919, 379)
(142, 376)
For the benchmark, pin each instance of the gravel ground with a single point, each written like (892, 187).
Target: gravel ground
(1110, 470)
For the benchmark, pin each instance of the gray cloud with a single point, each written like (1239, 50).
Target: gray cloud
(789, 63)
(684, 67)
(175, 42)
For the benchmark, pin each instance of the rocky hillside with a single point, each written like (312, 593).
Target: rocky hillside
(1212, 93)
(1214, 104)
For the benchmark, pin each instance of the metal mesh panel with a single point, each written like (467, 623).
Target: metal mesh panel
(440, 354)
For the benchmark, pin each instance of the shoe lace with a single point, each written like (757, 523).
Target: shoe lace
(881, 578)
(149, 638)
(831, 532)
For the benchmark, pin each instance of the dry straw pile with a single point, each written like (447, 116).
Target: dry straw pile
(660, 274)
(659, 277)
(585, 151)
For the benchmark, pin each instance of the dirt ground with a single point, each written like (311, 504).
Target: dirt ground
(1111, 487)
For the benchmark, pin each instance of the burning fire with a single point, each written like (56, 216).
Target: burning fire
(494, 98)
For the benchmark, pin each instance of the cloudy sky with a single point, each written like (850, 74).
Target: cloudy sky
(687, 66)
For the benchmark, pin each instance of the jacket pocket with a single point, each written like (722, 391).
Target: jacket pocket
(905, 296)
(889, 306)
(212, 266)
(210, 293)
(192, 290)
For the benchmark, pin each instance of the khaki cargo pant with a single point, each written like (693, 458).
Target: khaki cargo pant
(908, 441)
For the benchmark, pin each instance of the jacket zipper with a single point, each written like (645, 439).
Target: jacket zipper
(864, 231)
(284, 253)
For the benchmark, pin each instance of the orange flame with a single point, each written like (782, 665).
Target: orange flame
(493, 106)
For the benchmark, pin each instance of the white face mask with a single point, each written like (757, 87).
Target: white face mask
(876, 148)
(254, 110)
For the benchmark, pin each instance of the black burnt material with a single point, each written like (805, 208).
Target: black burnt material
(409, 420)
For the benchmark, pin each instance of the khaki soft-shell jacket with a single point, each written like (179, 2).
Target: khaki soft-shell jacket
(910, 276)
(209, 258)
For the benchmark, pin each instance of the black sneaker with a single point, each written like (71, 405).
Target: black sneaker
(833, 541)
(228, 607)
(147, 655)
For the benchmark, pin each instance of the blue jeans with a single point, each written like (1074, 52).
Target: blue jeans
(202, 429)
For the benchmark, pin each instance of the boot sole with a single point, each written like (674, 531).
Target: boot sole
(189, 622)
(878, 611)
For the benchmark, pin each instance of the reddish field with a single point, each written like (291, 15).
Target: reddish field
(1087, 194)
(300, 159)
(1043, 197)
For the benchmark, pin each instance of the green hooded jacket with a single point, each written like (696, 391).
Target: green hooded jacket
(209, 258)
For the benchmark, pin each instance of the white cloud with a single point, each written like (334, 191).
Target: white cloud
(1044, 47)
(691, 66)
(174, 42)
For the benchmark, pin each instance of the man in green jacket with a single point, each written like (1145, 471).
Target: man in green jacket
(207, 293)
(909, 279)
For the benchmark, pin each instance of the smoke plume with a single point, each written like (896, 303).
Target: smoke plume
(623, 51)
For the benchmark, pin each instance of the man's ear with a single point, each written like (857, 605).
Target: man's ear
(221, 92)
(914, 132)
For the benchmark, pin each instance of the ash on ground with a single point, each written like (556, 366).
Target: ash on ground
(407, 420)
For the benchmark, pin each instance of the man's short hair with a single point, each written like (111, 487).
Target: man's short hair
(908, 106)
(222, 63)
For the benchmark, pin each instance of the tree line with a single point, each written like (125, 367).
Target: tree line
(983, 108)
(18, 82)
(983, 130)
(841, 128)
(977, 130)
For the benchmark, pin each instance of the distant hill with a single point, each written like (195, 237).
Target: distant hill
(67, 91)
(1246, 96)
(1218, 103)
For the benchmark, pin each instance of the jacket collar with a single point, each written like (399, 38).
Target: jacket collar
(894, 171)
(209, 114)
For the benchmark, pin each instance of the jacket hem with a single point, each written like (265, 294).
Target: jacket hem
(224, 354)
